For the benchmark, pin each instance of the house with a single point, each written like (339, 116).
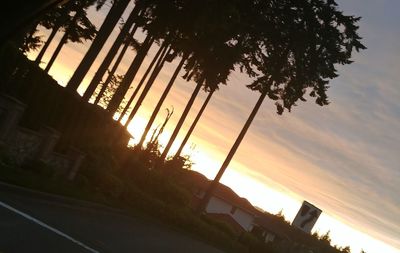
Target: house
(225, 205)
(270, 227)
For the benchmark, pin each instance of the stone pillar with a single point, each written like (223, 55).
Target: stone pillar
(11, 111)
(76, 157)
(50, 137)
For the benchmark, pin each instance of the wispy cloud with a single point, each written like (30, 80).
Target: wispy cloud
(344, 157)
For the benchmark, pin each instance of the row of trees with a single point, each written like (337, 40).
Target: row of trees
(289, 49)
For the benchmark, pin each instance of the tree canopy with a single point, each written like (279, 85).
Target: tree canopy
(290, 48)
(297, 48)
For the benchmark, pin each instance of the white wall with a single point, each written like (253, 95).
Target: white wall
(217, 205)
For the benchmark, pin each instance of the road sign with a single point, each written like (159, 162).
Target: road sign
(306, 217)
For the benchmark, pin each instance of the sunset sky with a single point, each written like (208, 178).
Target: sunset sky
(344, 158)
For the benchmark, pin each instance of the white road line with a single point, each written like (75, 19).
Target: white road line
(27, 216)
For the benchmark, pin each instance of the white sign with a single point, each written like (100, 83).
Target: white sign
(306, 217)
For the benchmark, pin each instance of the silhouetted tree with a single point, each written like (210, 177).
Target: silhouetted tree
(326, 237)
(130, 75)
(46, 45)
(130, 41)
(345, 249)
(160, 102)
(31, 41)
(161, 24)
(181, 120)
(152, 150)
(54, 20)
(198, 32)
(79, 28)
(60, 17)
(111, 53)
(108, 93)
(104, 32)
(212, 58)
(295, 47)
(141, 82)
(193, 125)
(149, 84)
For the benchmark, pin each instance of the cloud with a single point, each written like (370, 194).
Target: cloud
(342, 157)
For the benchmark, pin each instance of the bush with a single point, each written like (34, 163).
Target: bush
(223, 226)
(156, 192)
(254, 244)
(158, 185)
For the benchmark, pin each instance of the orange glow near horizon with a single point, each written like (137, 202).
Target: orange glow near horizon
(268, 181)
(245, 184)
(274, 201)
(266, 196)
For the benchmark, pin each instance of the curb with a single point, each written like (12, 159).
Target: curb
(51, 197)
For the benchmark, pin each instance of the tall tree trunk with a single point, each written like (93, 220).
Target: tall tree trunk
(160, 102)
(110, 55)
(47, 44)
(158, 54)
(180, 122)
(215, 182)
(203, 107)
(148, 85)
(57, 51)
(130, 75)
(157, 68)
(64, 17)
(63, 40)
(104, 32)
(114, 68)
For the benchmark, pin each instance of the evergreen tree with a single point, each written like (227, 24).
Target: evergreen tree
(294, 49)
(102, 35)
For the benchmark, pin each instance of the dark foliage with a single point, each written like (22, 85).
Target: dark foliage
(299, 45)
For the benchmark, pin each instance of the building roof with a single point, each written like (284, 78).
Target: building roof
(197, 182)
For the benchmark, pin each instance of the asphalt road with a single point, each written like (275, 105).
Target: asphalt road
(33, 222)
